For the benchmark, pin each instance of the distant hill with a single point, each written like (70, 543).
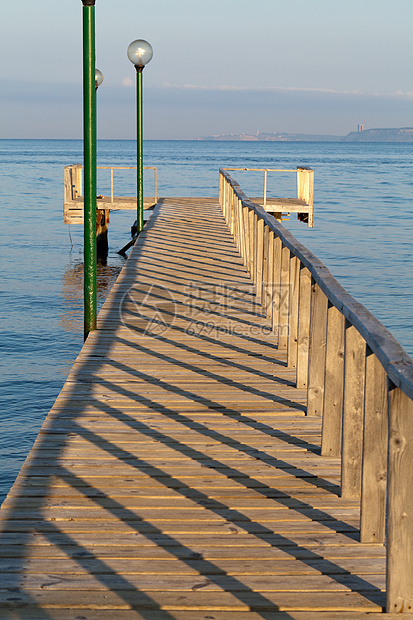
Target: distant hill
(403, 134)
(273, 137)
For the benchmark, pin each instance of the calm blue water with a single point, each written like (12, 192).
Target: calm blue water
(363, 232)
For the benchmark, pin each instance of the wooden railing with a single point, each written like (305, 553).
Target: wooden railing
(305, 192)
(73, 180)
(358, 378)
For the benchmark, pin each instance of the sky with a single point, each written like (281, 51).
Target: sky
(219, 67)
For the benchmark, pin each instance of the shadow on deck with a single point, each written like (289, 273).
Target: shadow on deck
(177, 476)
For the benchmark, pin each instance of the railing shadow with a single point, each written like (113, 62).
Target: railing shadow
(71, 419)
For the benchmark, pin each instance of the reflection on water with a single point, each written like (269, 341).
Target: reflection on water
(72, 291)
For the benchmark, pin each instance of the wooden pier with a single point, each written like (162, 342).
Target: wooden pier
(190, 468)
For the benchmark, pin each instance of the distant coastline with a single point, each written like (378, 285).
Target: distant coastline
(402, 134)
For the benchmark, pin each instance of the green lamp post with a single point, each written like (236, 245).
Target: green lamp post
(139, 53)
(89, 166)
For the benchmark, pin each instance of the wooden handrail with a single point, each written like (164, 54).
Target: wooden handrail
(358, 378)
(305, 187)
(73, 179)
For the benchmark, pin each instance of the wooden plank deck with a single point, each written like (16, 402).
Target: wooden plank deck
(177, 477)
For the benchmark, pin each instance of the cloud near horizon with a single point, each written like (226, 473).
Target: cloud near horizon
(286, 89)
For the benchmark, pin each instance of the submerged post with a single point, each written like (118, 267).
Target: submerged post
(139, 53)
(89, 162)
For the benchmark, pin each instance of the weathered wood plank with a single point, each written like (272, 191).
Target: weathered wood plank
(194, 601)
(31, 613)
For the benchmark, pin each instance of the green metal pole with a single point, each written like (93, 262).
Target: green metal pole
(139, 146)
(89, 165)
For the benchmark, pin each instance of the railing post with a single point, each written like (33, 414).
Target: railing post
(232, 211)
(353, 412)
(270, 275)
(69, 187)
(317, 351)
(227, 201)
(79, 181)
(400, 503)
(304, 309)
(276, 284)
(241, 230)
(245, 224)
(255, 244)
(265, 277)
(374, 476)
(251, 233)
(293, 311)
(223, 198)
(259, 257)
(283, 321)
(305, 190)
(333, 384)
(236, 221)
(265, 189)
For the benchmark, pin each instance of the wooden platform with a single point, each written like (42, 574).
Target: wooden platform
(177, 477)
(281, 208)
(73, 209)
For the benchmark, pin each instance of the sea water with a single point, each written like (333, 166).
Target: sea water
(363, 233)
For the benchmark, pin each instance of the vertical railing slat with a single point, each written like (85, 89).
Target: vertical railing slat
(317, 351)
(374, 475)
(270, 275)
(293, 311)
(260, 258)
(276, 284)
(251, 244)
(304, 307)
(353, 412)
(400, 503)
(264, 287)
(284, 302)
(333, 384)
